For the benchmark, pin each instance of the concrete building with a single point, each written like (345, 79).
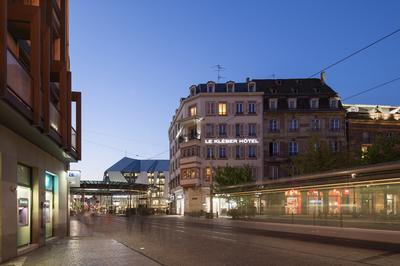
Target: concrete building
(215, 126)
(153, 173)
(366, 122)
(38, 139)
(296, 110)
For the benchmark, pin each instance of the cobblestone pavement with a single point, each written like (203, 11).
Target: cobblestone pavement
(85, 249)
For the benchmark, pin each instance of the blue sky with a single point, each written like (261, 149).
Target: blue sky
(134, 59)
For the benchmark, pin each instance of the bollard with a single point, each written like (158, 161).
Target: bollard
(292, 217)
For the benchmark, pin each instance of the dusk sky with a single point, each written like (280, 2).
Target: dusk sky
(134, 60)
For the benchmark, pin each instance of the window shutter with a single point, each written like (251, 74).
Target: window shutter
(258, 131)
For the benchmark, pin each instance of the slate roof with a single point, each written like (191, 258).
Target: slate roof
(294, 87)
(129, 165)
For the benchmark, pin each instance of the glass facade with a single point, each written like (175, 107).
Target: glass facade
(361, 206)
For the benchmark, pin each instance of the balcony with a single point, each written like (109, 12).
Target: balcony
(188, 139)
(190, 182)
(54, 115)
(19, 82)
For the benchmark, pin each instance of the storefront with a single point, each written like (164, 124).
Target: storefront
(293, 202)
(24, 205)
(48, 206)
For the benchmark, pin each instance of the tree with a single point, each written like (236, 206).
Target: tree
(383, 149)
(318, 158)
(229, 175)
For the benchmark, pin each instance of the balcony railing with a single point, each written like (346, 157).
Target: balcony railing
(19, 80)
(54, 118)
(189, 137)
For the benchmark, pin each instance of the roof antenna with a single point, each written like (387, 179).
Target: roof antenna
(219, 68)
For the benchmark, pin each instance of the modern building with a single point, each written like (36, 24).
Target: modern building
(153, 173)
(38, 135)
(366, 122)
(216, 125)
(296, 112)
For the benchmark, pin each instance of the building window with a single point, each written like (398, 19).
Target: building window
(208, 174)
(273, 104)
(222, 152)
(252, 130)
(221, 108)
(274, 148)
(238, 152)
(193, 111)
(252, 107)
(252, 151)
(315, 124)
(292, 103)
(230, 87)
(366, 138)
(273, 125)
(237, 130)
(334, 146)
(210, 108)
(317, 146)
(239, 108)
(210, 87)
(293, 148)
(274, 172)
(222, 130)
(333, 103)
(209, 130)
(293, 125)
(314, 103)
(334, 124)
(210, 152)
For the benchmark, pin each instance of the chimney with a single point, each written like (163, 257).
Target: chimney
(247, 79)
(323, 77)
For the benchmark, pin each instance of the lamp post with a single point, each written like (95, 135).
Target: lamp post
(211, 191)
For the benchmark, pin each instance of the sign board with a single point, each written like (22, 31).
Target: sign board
(231, 141)
(74, 178)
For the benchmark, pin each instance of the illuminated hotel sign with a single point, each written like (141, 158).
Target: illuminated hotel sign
(231, 141)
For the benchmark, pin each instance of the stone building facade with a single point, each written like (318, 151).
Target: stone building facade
(217, 125)
(297, 111)
(366, 122)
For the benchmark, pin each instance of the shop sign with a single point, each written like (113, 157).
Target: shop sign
(231, 141)
(74, 178)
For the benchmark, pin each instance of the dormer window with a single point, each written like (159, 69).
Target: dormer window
(298, 81)
(314, 103)
(210, 87)
(192, 90)
(295, 91)
(278, 82)
(273, 91)
(230, 86)
(316, 90)
(292, 103)
(334, 103)
(251, 86)
(273, 104)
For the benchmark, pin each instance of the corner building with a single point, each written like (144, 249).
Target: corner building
(38, 135)
(215, 126)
